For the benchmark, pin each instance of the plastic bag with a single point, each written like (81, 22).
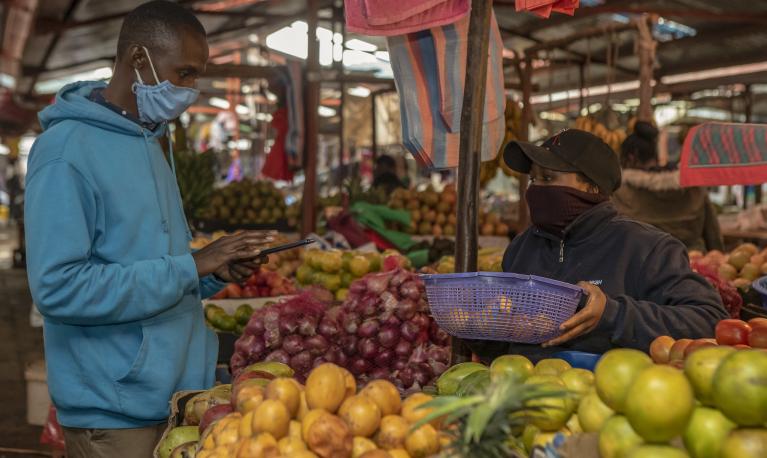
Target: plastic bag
(52, 433)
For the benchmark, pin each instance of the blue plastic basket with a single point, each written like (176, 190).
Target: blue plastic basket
(500, 306)
(760, 285)
(579, 359)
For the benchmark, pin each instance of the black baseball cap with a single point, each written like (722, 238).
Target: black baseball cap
(571, 150)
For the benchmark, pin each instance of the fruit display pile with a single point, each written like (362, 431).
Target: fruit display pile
(266, 413)
(217, 318)
(246, 203)
(335, 270)
(434, 213)
(382, 330)
(264, 283)
(488, 260)
(741, 267)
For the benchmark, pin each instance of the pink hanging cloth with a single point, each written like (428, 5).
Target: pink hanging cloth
(544, 8)
(397, 17)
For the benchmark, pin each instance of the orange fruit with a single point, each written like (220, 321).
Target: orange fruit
(272, 417)
(411, 410)
(248, 396)
(740, 387)
(422, 442)
(392, 432)
(617, 438)
(700, 367)
(550, 413)
(286, 391)
(592, 412)
(706, 433)
(745, 443)
(615, 372)
(326, 387)
(659, 403)
(361, 414)
(385, 396)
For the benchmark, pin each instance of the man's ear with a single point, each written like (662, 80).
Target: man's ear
(137, 57)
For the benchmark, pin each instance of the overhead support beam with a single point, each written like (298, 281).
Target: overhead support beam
(582, 35)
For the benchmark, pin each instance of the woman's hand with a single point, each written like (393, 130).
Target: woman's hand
(586, 320)
(238, 272)
(232, 256)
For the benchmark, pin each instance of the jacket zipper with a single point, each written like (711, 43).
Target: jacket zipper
(562, 251)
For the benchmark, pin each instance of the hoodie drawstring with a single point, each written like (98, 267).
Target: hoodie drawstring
(163, 211)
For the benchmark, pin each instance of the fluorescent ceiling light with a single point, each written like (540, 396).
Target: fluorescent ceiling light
(241, 110)
(382, 55)
(8, 81)
(715, 73)
(326, 112)
(574, 94)
(46, 87)
(360, 45)
(263, 117)
(358, 91)
(552, 116)
(219, 103)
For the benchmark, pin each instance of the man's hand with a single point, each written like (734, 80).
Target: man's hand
(586, 320)
(232, 257)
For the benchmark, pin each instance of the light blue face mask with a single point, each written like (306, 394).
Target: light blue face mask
(163, 101)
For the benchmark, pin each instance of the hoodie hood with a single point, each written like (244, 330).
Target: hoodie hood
(652, 181)
(73, 103)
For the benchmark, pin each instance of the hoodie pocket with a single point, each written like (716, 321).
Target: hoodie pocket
(168, 359)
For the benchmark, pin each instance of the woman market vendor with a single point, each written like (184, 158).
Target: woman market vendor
(637, 278)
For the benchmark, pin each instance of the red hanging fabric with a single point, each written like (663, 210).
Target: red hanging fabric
(276, 164)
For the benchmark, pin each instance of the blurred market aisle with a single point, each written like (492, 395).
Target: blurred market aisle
(20, 344)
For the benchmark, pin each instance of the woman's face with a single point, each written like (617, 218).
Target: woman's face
(546, 177)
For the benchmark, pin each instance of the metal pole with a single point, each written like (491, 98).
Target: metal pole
(312, 98)
(470, 149)
(374, 134)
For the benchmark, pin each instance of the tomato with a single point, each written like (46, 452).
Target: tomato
(233, 291)
(758, 337)
(696, 344)
(249, 291)
(677, 349)
(753, 322)
(220, 295)
(660, 349)
(732, 332)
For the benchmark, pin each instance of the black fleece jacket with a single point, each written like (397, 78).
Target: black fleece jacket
(644, 273)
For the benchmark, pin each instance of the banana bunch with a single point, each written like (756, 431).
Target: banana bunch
(614, 138)
(488, 169)
(195, 176)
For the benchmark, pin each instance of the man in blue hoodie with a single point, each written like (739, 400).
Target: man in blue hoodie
(108, 253)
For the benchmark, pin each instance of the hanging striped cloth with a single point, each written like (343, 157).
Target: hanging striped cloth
(429, 72)
(718, 154)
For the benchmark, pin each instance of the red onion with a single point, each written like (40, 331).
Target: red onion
(405, 310)
(242, 345)
(237, 362)
(419, 355)
(437, 367)
(316, 344)
(399, 364)
(410, 290)
(357, 287)
(380, 373)
(422, 320)
(281, 356)
(359, 366)
(423, 306)
(403, 348)
(436, 353)
(255, 326)
(293, 344)
(288, 324)
(409, 331)
(350, 323)
(407, 376)
(368, 308)
(307, 325)
(438, 335)
(368, 328)
(328, 328)
(400, 277)
(388, 336)
(422, 374)
(272, 337)
(393, 320)
(384, 358)
(271, 316)
(349, 345)
(319, 360)
(378, 282)
(367, 348)
(301, 362)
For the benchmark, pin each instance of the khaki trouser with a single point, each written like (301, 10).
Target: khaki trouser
(112, 443)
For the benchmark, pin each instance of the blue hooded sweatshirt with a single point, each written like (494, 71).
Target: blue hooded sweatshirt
(110, 268)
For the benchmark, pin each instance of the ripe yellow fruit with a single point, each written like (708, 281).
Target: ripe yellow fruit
(272, 417)
(286, 391)
(411, 410)
(392, 432)
(309, 419)
(289, 445)
(422, 442)
(263, 445)
(326, 387)
(385, 395)
(362, 445)
(361, 414)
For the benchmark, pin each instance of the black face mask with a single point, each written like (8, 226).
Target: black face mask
(553, 208)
